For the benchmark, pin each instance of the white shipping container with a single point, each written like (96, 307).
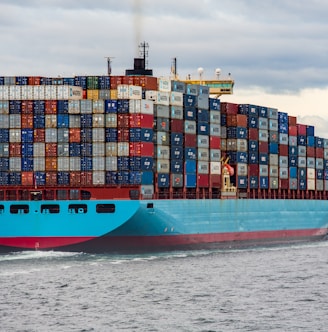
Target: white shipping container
(24, 92)
(134, 106)
(39, 150)
(4, 121)
(63, 164)
(98, 164)
(98, 120)
(176, 112)
(176, 98)
(310, 184)
(242, 145)
(111, 163)
(163, 166)
(263, 135)
(69, 92)
(203, 141)
(283, 161)
(86, 106)
(151, 95)
(98, 134)
(283, 172)
(111, 149)
(319, 163)
(122, 91)
(283, 139)
(242, 169)
(15, 121)
(51, 135)
(14, 135)
(135, 92)
(74, 120)
(63, 149)
(41, 92)
(263, 170)
(4, 106)
(111, 120)
(163, 98)
(274, 171)
(319, 185)
(50, 92)
(189, 127)
(311, 173)
(98, 149)
(147, 106)
(215, 129)
(98, 177)
(5, 92)
(203, 154)
(74, 107)
(147, 191)
(98, 107)
(301, 161)
(164, 84)
(203, 167)
(30, 92)
(75, 164)
(39, 164)
(273, 159)
(51, 121)
(15, 164)
(215, 154)
(163, 152)
(123, 149)
(215, 167)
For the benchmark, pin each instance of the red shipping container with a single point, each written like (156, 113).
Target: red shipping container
(147, 120)
(263, 147)
(84, 94)
(147, 149)
(215, 142)
(242, 120)
(15, 150)
(115, 81)
(292, 131)
(123, 120)
(148, 82)
(301, 129)
(34, 80)
(51, 149)
(135, 148)
(283, 150)
(27, 121)
(190, 140)
(135, 120)
(51, 178)
(319, 152)
(39, 135)
(253, 170)
(203, 180)
(86, 178)
(74, 135)
(292, 120)
(253, 134)
(27, 107)
(129, 80)
(123, 135)
(310, 151)
(284, 183)
(75, 179)
(215, 181)
(27, 178)
(50, 107)
(177, 125)
(229, 108)
(231, 120)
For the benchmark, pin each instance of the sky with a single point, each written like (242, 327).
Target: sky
(275, 50)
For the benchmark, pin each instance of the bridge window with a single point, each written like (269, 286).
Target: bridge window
(77, 208)
(50, 208)
(2, 208)
(105, 208)
(19, 208)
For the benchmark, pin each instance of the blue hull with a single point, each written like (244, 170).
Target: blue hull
(162, 224)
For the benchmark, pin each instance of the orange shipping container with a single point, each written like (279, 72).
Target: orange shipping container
(27, 121)
(86, 178)
(92, 94)
(51, 164)
(34, 80)
(75, 179)
(51, 178)
(27, 107)
(50, 107)
(27, 178)
(39, 135)
(74, 135)
(51, 149)
(15, 150)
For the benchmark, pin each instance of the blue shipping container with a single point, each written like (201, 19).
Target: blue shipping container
(163, 180)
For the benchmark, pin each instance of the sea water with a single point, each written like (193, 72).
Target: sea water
(283, 288)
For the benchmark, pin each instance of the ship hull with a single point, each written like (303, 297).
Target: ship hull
(159, 225)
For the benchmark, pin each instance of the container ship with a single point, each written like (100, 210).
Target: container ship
(141, 163)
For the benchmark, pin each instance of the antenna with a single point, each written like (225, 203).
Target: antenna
(109, 62)
(144, 52)
(174, 68)
(200, 73)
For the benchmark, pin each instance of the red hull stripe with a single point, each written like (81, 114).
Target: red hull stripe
(158, 241)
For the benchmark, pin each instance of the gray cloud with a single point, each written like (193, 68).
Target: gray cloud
(277, 45)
